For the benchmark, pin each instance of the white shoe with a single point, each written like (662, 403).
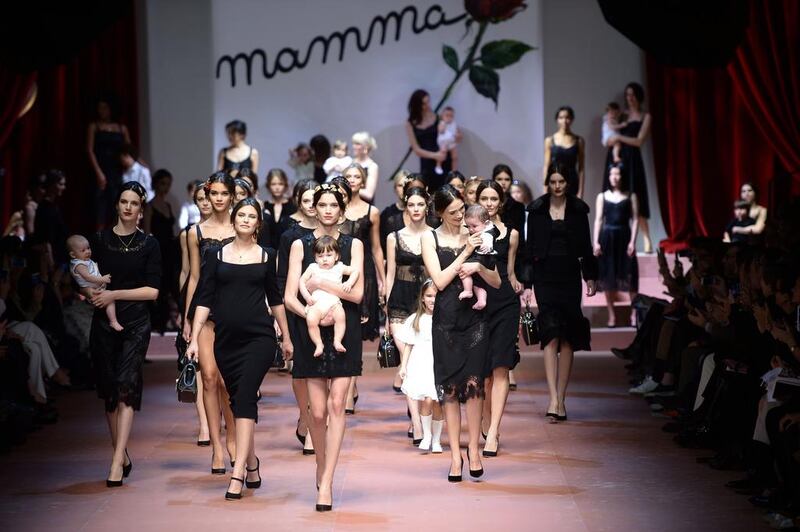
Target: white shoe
(436, 429)
(647, 386)
(425, 444)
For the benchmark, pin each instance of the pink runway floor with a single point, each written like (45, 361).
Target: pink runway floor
(608, 468)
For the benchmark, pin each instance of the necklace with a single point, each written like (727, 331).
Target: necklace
(127, 247)
(235, 251)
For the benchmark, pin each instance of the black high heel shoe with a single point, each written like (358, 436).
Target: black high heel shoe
(257, 483)
(552, 417)
(492, 454)
(126, 469)
(203, 443)
(564, 417)
(474, 473)
(115, 483)
(216, 470)
(300, 437)
(456, 478)
(229, 496)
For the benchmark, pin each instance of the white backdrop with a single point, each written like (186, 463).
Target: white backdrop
(369, 90)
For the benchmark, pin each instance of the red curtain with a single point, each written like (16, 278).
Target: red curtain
(53, 133)
(714, 129)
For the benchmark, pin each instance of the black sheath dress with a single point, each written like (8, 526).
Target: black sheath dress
(502, 309)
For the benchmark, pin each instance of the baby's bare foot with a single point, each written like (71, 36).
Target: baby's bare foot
(116, 326)
(318, 350)
(466, 294)
(479, 305)
(339, 347)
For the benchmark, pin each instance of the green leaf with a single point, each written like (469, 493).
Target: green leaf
(450, 57)
(503, 53)
(486, 82)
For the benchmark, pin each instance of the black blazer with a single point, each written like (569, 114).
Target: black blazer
(513, 214)
(576, 217)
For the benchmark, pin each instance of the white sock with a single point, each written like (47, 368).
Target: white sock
(436, 429)
(425, 444)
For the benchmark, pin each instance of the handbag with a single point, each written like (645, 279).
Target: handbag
(279, 360)
(186, 383)
(388, 354)
(530, 327)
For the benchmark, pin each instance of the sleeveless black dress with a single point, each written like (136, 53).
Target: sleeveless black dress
(634, 178)
(502, 309)
(568, 158)
(426, 138)
(161, 227)
(244, 340)
(208, 246)
(360, 229)
(460, 338)
(391, 221)
(107, 145)
(618, 271)
(331, 363)
(408, 278)
(278, 226)
(230, 166)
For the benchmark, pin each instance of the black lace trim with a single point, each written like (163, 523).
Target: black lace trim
(471, 388)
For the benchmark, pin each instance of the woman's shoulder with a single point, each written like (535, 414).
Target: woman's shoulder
(578, 205)
(540, 204)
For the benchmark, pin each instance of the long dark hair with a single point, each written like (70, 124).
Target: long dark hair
(502, 168)
(494, 185)
(329, 188)
(443, 197)
(638, 91)
(249, 202)
(221, 177)
(300, 188)
(415, 106)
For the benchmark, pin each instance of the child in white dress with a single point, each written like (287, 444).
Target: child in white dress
(477, 221)
(328, 267)
(447, 139)
(87, 274)
(613, 121)
(335, 164)
(416, 367)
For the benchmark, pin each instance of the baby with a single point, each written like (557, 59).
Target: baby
(447, 138)
(741, 218)
(611, 127)
(86, 273)
(477, 220)
(336, 164)
(328, 267)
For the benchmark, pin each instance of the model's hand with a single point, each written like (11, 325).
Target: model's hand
(597, 250)
(527, 297)
(402, 372)
(631, 249)
(467, 269)
(287, 347)
(106, 278)
(102, 182)
(474, 242)
(591, 287)
(313, 283)
(441, 156)
(102, 298)
(187, 331)
(515, 284)
(192, 350)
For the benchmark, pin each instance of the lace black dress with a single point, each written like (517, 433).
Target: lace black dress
(133, 261)
(360, 229)
(460, 338)
(618, 271)
(557, 286)
(244, 335)
(502, 309)
(568, 159)
(408, 278)
(633, 174)
(331, 363)
(231, 166)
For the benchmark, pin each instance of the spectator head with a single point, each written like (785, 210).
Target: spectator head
(502, 174)
(236, 130)
(419, 102)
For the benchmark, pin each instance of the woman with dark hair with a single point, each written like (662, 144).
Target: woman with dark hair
(206, 239)
(405, 274)
(422, 128)
(749, 192)
(241, 190)
(513, 213)
(302, 223)
(237, 280)
(133, 260)
(321, 149)
(566, 149)
(560, 248)
(277, 209)
(460, 334)
(394, 217)
(49, 228)
(205, 210)
(615, 225)
(502, 310)
(328, 376)
(159, 221)
(456, 180)
(633, 137)
(238, 154)
(104, 140)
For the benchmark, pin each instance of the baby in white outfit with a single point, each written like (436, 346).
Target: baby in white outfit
(336, 164)
(447, 139)
(612, 123)
(477, 221)
(319, 304)
(87, 274)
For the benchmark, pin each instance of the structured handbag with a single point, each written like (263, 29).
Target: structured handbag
(530, 328)
(279, 360)
(388, 354)
(186, 384)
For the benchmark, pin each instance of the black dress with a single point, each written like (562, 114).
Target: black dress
(361, 229)
(278, 226)
(133, 261)
(460, 338)
(391, 221)
(107, 145)
(502, 308)
(408, 278)
(244, 339)
(633, 175)
(331, 363)
(426, 139)
(568, 159)
(49, 228)
(618, 271)
(162, 227)
(207, 246)
(230, 166)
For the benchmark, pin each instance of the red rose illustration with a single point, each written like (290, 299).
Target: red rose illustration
(493, 10)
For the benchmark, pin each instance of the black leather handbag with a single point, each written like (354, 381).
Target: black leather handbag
(279, 360)
(530, 328)
(388, 354)
(186, 384)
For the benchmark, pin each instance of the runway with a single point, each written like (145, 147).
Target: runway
(608, 468)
